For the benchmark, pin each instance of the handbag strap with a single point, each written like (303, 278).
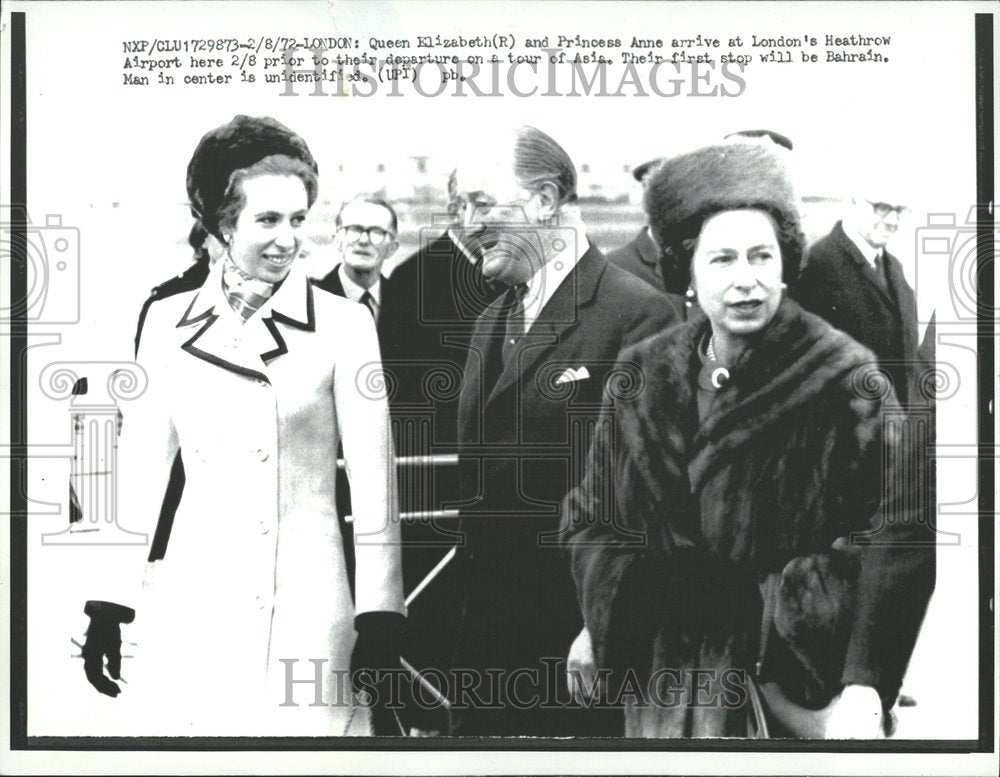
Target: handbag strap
(770, 589)
(761, 731)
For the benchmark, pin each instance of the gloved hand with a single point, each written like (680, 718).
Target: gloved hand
(375, 667)
(104, 638)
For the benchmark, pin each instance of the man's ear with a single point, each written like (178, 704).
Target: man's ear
(390, 249)
(548, 194)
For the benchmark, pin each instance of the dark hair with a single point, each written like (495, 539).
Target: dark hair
(196, 239)
(678, 253)
(372, 199)
(235, 200)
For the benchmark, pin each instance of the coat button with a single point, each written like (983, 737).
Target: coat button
(262, 455)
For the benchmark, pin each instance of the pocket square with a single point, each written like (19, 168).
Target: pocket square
(570, 375)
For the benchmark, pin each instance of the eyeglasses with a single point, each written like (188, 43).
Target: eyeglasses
(376, 235)
(883, 209)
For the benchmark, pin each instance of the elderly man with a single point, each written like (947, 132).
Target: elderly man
(366, 237)
(852, 281)
(446, 292)
(532, 389)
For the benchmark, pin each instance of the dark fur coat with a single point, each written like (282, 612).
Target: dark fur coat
(677, 524)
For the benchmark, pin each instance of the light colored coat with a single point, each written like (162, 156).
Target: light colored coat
(254, 582)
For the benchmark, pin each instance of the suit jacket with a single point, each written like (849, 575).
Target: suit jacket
(444, 295)
(525, 429)
(838, 284)
(641, 257)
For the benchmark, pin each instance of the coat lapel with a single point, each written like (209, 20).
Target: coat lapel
(861, 266)
(648, 252)
(221, 338)
(560, 316)
(906, 304)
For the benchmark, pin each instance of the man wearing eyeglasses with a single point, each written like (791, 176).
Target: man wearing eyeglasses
(852, 281)
(366, 237)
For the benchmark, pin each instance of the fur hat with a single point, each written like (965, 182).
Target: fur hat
(238, 144)
(685, 190)
(641, 171)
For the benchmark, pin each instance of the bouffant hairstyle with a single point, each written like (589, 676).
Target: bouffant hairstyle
(684, 191)
(239, 144)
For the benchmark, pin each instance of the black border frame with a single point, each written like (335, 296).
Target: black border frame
(19, 739)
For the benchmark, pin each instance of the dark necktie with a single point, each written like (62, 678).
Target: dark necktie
(879, 270)
(515, 321)
(369, 302)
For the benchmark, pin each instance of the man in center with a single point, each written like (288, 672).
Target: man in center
(538, 360)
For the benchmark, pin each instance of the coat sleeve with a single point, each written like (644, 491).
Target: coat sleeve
(817, 289)
(141, 468)
(653, 312)
(614, 565)
(363, 417)
(896, 548)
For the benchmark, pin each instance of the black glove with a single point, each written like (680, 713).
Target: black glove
(104, 638)
(375, 667)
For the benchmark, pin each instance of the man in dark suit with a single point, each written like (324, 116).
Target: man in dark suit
(366, 238)
(446, 292)
(641, 256)
(852, 281)
(532, 390)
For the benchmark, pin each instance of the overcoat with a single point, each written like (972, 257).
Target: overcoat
(677, 522)
(641, 257)
(837, 284)
(253, 591)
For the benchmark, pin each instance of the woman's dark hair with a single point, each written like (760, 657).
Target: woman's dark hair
(238, 145)
(234, 199)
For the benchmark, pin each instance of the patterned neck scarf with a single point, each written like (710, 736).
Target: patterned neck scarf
(245, 293)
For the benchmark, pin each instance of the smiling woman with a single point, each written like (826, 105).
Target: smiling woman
(252, 377)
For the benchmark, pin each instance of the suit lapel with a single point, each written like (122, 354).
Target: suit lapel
(560, 316)
(331, 282)
(861, 266)
(487, 339)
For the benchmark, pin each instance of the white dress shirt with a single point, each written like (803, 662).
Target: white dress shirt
(869, 252)
(355, 292)
(549, 277)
